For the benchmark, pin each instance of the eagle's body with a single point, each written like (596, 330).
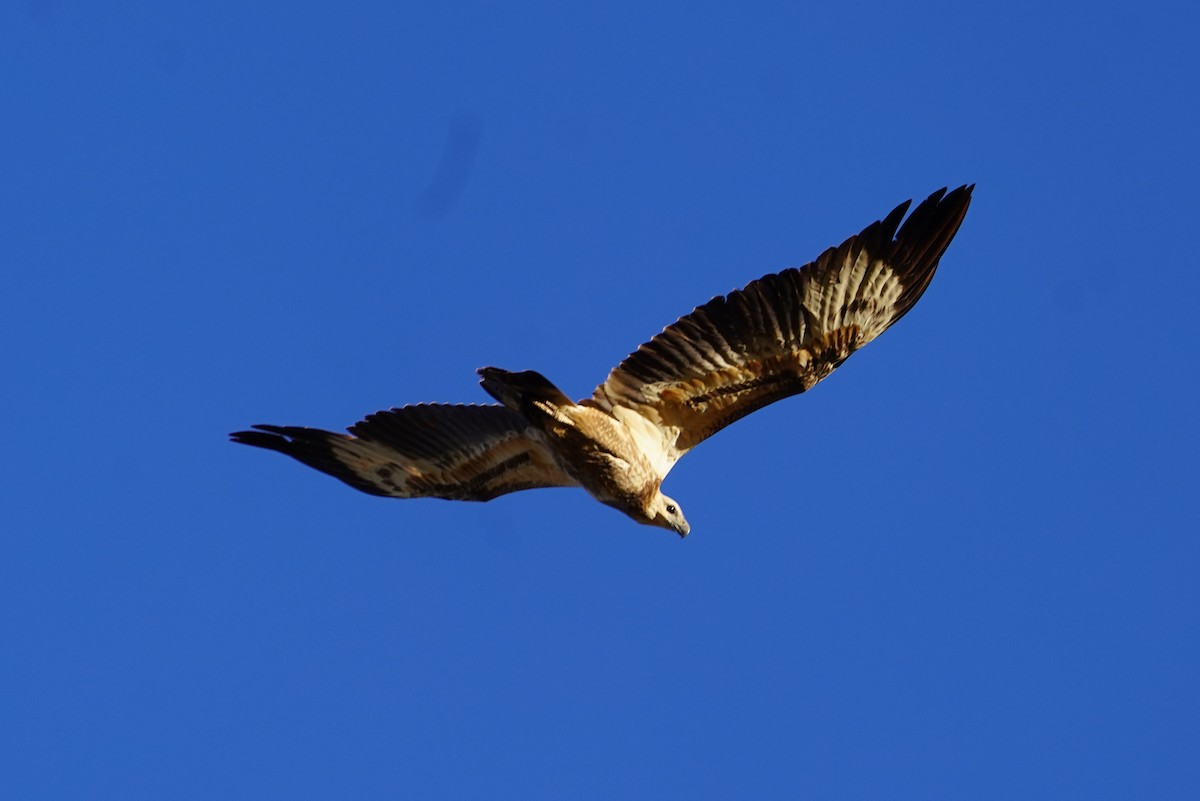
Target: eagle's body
(777, 337)
(591, 446)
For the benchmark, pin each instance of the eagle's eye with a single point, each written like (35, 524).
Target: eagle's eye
(670, 508)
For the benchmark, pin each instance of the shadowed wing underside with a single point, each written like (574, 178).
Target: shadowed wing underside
(779, 335)
(456, 452)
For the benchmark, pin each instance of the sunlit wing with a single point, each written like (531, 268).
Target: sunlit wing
(779, 335)
(465, 453)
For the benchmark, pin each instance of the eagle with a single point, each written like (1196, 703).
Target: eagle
(778, 336)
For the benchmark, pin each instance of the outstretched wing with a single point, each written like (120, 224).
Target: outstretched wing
(779, 335)
(463, 453)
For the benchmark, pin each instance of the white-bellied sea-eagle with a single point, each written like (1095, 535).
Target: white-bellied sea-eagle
(778, 336)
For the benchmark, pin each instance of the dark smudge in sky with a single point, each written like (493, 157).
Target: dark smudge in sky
(453, 169)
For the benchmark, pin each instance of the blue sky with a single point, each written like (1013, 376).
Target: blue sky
(963, 567)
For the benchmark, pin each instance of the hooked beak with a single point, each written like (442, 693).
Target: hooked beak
(683, 529)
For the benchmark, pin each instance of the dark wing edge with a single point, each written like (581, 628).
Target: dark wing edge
(783, 333)
(918, 247)
(454, 452)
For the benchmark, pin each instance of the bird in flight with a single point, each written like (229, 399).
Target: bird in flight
(776, 337)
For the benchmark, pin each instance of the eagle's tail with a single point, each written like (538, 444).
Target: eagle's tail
(520, 391)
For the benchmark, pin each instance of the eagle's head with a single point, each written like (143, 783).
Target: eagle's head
(665, 513)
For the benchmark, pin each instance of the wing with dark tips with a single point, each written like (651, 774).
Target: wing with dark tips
(779, 335)
(465, 453)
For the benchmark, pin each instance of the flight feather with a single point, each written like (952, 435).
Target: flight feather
(456, 452)
(781, 334)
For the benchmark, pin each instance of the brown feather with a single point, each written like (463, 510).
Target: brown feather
(785, 332)
(470, 453)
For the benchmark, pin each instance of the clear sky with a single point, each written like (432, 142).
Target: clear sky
(963, 567)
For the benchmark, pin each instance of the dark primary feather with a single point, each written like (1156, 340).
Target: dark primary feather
(429, 450)
(784, 332)
(310, 446)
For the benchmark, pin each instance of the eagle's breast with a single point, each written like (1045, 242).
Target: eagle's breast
(603, 455)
